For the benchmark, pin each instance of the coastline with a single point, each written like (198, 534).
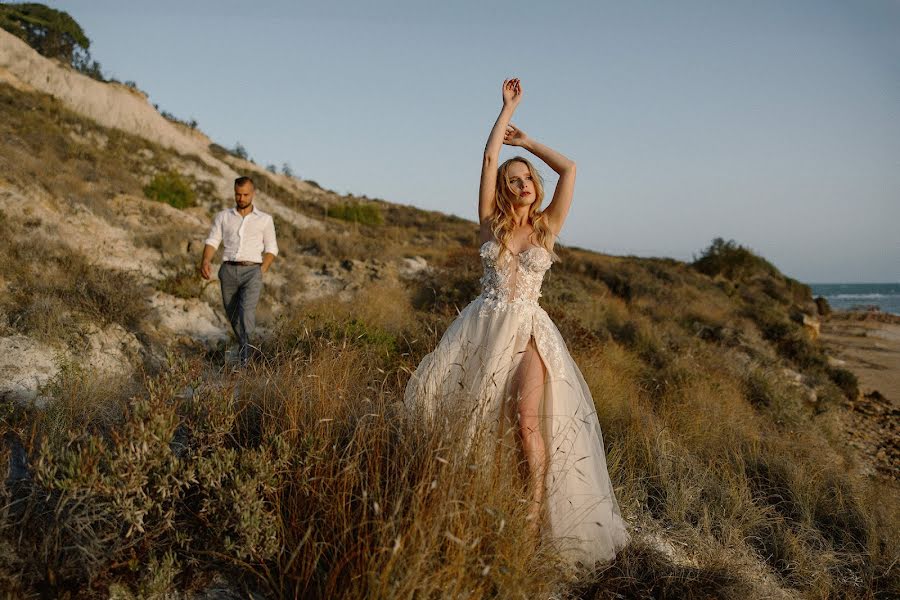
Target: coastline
(867, 343)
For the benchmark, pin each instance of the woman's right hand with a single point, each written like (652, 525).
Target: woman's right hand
(512, 92)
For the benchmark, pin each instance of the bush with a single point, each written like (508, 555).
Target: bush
(171, 188)
(99, 504)
(846, 380)
(357, 212)
(732, 261)
(184, 283)
(240, 152)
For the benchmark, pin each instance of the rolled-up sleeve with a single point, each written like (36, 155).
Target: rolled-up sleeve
(270, 246)
(215, 232)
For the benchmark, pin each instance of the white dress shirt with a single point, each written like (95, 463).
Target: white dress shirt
(245, 238)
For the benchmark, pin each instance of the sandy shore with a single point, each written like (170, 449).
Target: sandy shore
(869, 346)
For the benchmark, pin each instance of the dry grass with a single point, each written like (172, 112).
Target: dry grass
(53, 292)
(78, 161)
(304, 476)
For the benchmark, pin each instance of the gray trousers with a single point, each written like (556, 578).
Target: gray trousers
(241, 287)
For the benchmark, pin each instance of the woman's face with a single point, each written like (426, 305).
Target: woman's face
(521, 184)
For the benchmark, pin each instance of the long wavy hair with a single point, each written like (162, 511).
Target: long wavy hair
(502, 222)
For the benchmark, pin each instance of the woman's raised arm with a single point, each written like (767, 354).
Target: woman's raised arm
(512, 94)
(558, 208)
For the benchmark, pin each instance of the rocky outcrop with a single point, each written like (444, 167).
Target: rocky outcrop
(25, 366)
(111, 105)
(191, 317)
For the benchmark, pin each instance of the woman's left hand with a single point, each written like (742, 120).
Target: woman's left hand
(514, 136)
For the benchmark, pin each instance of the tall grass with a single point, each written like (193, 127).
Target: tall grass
(305, 476)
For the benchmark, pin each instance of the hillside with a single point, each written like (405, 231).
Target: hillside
(141, 466)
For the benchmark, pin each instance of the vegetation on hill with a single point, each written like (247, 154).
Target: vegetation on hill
(356, 212)
(303, 476)
(171, 188)
(53, 33)
(53, 294)
(777, 305)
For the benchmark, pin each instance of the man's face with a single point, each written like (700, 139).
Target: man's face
(243, 195)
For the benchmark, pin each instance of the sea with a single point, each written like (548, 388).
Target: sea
(844, 296)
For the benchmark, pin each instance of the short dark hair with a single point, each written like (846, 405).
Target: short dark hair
(243, 180)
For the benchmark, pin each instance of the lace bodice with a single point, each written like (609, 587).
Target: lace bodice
(513, 278)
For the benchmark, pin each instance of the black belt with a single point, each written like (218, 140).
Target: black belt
(242, 263)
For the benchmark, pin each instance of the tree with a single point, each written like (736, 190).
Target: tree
(240, 151)
(287, 170)
(53, 33)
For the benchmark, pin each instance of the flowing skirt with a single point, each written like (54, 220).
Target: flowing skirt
(472, 368)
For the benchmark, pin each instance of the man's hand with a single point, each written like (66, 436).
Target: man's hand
(268, 258)
(205, 269)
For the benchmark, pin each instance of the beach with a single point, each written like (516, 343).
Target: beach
(868, 345)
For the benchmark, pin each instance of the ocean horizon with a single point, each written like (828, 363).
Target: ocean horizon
(847, 296)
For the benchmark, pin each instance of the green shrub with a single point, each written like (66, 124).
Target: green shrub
(357, 212)
(163, 479)
(171, 188)
(732, 261)
(846, 380)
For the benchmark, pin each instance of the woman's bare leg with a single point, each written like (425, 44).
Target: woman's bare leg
(528, 390)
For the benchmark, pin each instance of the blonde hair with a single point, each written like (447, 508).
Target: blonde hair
(504, 215)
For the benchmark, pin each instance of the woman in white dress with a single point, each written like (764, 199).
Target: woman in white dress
(503, 360)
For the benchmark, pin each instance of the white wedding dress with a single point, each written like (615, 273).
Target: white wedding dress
(472, 368)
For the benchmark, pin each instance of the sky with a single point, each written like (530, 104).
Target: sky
(773, 123)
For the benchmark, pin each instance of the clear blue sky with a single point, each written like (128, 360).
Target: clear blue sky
(775, 123)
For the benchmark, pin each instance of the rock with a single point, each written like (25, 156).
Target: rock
(280, 210)
(793, 375)
(190, 317)
(411, 267)
(665, 546)
(836, 362)
(812, 326)
(822, 306)
(84, 231)
(25, 366)
(112, 350)
(811, 396)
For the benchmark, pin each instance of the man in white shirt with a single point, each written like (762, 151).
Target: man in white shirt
(248, 235)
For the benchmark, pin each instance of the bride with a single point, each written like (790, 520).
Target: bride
(504, 361)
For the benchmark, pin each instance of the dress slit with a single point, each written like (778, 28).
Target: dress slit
(473, 371)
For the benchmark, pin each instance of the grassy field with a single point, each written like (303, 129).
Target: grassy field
(304, 477)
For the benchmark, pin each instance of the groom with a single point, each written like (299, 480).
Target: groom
(249, 239)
